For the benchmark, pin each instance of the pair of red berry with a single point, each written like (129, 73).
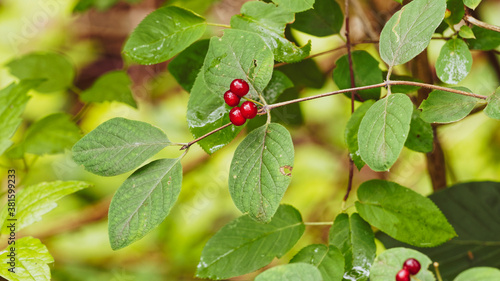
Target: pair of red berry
(410, 267)
(239, 114)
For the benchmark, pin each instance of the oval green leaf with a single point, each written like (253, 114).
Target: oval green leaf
(409, 31)
(466, 32)
(295, 5)
(244, 245)
(388, 263)
(472, 3)
(354, 237)
(111, 86)
(479, 274)
(261, 171)
(403, 214)
(383, 131)
(326, 18)
(351, 133)
(485, 39)
(493, 107)
(446, 107)
(328, 259)
(163, 34)
(454, 61)
(291, 272)
(186, 66)
(143, 201)
(118, 145)
(421, 137)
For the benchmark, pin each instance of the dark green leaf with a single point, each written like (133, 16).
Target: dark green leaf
(485, 39)
(493, 107)
(473, 210)
(57, 71)
(421, 137)
(163, 34)
(403, 214)
(143, 201)
(100, 5)
(269, 22)
(13, 100)
(328, 259)
(479, 274)
(295, 5)
(388, 263)
(354, 237)
(472, 3)
(51, 135)
(32, 259)
(326, 18)
(244, 245)
(383, 131)
(454, 61)
(118, 145)
(261, 171)
(466, 32)
(305, 73)
(291, 272)
(186, 66)
(351, 133)
(366, 72)
(278, 84)
(446, 107)
(457, 10)
(111, 86)
(409, 31)
(402, 89)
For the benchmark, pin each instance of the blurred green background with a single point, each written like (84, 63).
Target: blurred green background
(76, 231)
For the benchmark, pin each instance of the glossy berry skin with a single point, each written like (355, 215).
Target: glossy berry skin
(231, 99)
(412, 265)
(248, 109)
(239, 87)
(236, 117)
(403, 275)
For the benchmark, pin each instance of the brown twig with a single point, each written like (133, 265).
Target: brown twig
(186, 146)
(474, 21)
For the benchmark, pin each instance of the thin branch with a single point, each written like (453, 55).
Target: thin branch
(351, 176)
(204, 136)
(435, 87)
(474, 21)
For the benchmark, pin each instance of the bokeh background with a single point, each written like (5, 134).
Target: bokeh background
(76, 231)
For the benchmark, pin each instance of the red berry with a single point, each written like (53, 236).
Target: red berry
(403, 275)
(231, 99)
(236, 117)
(239, 87)
(249, 110)
(412, 265)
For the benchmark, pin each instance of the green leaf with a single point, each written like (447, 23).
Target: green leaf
(13, 100)
(466, 32)
(366, 72)
(479, 274)
(485, 39)
(326, 18)
(354, 237)
(163, 34)
(383, 131)
(54, 68)
(295, 6)
(238, 54)
(118, 145)
(261, 171)
(472, 3)
(399, 1)
(186, 66)
(403, 214)
(269, 22)
(446, 107)
(305, 73)
(493, 107)
(454, 61)
(291, 272)
(143, 201)
(36, 200)
(328, 259)
(100, 5)
(457, 10)
(351, 133)
(51, 135)
(388, 263)
(421, 137)
(244, 245)
(32, 259)
(278, 84)
(111, 86)
(472, 209)
(206, 112)
(409, 31)
(402, 89)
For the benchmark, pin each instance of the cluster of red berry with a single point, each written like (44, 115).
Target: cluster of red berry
(410, 267)
(239, 114)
